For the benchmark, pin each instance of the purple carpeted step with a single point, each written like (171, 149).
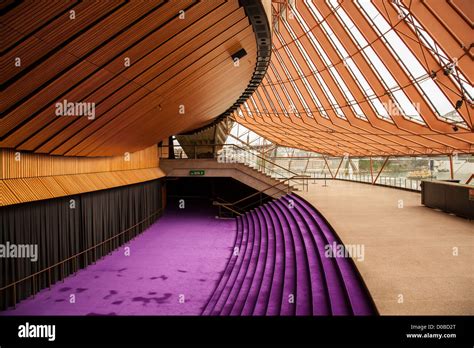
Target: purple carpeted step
(359, 298)
(303, 300)
(248, 281)
(339, 300)
(221, 302)
(260, 263)
(235, 293)
(319, 274)
(217, 293)
(289, 284)
(263, 296)
(277, 286)
(282, 253)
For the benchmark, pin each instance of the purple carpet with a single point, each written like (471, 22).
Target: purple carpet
(172, 269)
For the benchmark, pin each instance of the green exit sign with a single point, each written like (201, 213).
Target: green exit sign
(197, 172)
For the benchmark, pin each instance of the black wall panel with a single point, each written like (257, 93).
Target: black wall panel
(451, 198)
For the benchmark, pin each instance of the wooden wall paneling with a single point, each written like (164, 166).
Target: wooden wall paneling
(22, 190)
(7, 196)
(33, 165)
(53, 186)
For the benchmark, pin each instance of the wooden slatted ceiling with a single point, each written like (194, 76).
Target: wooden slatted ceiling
(448, 22)
(174, 61)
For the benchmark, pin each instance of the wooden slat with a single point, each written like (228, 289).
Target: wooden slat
(164, 56)
(16, 191)
(34, 165)
(159, 62)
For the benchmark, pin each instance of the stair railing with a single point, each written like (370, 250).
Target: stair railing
(248, 157)
(232, 206)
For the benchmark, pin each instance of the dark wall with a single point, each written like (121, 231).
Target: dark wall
(61, 231)
(214, 188)
(451, 198)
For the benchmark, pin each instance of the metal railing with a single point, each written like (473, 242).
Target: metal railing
(233, 206)
(389, 181)
(74, 258)
(232, 153)
(382, 180)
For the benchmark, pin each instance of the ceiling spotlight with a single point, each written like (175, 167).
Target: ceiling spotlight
(459, 103)
(433, 74)
(448, 69)
(239, 54)
(455, 128)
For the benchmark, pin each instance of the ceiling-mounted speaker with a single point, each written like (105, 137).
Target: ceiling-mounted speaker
(239, 54)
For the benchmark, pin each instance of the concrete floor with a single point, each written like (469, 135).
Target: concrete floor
(408, 266)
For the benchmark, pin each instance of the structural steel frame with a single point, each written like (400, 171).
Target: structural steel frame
(310, 96)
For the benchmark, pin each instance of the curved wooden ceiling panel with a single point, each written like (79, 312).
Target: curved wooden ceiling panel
(151, 68)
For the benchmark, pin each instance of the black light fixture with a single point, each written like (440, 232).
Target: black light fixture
(459, 103)
(455, 128)
(433, 74)
(239, 54)
(448, 69)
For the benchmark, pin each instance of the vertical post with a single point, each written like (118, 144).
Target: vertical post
(327, 164)
(381, 168)
(371, 171)
(339, 166)
(470, 179)
(451, 170)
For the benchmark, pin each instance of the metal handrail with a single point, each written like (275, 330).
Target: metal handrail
(75, 256)
(266, 160)
(266, 189)
(227, 205)
(236, 146)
